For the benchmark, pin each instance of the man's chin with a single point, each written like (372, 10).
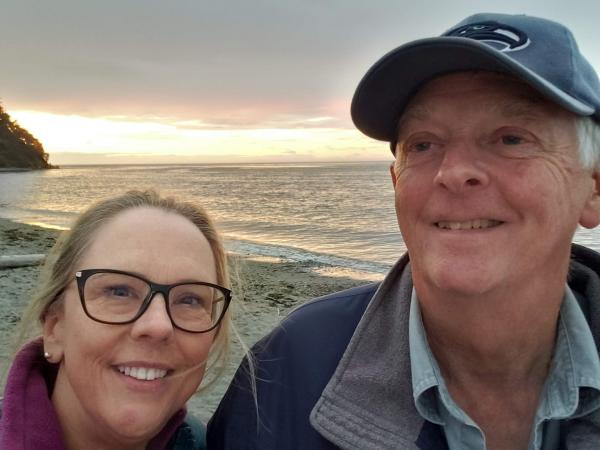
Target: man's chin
(461, 280)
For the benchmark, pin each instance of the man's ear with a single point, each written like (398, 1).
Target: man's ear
(53, 332)
(590, 216)
(393, 173)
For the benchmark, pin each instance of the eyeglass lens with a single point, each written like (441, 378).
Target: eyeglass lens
(114, 297)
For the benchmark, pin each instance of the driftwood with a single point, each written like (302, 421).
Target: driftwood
(7, 262)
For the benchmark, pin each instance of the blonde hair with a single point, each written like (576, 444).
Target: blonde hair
(60, 266)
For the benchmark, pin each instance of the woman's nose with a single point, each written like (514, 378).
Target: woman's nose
(155, 322)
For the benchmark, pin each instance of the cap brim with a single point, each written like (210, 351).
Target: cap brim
(384, 91)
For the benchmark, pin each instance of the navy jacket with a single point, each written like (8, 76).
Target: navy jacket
(296, 361)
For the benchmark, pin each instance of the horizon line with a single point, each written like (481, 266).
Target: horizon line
(359, 161)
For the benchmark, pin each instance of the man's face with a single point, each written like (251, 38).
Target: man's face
(489, 188)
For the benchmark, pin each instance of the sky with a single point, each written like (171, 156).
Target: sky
(229, 81)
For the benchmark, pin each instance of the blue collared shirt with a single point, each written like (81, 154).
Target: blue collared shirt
(572, 388)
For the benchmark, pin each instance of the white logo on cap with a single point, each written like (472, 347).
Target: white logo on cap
(504, 38)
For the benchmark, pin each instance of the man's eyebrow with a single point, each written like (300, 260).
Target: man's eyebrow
(526, 107)
(416, 112)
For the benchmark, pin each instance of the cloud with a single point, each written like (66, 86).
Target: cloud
(232, 65)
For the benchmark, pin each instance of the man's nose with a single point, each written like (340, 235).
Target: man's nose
(155, 323)
(461, 169)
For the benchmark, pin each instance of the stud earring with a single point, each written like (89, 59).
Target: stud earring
(47, 355)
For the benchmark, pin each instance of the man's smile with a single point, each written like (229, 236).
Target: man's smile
(468, 225)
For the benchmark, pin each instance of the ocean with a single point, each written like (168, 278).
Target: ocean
(338, 214)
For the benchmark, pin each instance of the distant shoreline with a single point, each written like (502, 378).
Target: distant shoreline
(15, 169)
(25, 169)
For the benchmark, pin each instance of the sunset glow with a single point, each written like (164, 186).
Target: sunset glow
(75, 139)
(214, 82)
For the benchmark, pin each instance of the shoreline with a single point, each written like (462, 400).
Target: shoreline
(270, 286)
(323, 263)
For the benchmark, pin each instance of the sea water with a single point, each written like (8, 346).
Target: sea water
(338, 214)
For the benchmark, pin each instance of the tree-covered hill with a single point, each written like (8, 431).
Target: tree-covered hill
(18, 148)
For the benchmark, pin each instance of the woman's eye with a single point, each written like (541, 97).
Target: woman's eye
(512, 140)
(189, 300)
(118, 291)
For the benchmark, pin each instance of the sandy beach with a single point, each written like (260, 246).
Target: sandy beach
(271, 287)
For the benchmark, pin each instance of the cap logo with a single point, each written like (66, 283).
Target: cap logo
(504, 38)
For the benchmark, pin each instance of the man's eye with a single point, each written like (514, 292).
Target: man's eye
(512, 140)
(420, 147)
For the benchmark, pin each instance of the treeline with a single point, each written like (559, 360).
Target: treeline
(18, 148)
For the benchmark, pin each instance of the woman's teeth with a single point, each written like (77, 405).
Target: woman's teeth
(143, 373)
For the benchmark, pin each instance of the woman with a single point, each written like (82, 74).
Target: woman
(132, 308)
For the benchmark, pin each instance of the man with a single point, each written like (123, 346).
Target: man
(485, 335)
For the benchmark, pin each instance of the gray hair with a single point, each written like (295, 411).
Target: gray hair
(588, 137)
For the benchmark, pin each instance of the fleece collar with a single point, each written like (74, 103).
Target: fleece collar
(368, 402)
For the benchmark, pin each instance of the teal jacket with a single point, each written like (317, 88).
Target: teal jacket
(191, 435)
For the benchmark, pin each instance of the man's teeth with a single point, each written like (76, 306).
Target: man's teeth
(468, 225)
(142, 373)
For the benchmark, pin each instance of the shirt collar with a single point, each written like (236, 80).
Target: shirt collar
(425, 372)
(572, 388)
(573, 385)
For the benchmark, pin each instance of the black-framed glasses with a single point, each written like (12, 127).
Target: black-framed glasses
(117, 297)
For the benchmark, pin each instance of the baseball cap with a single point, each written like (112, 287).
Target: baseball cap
(540, 52)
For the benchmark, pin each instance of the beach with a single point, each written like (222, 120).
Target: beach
(270, 287)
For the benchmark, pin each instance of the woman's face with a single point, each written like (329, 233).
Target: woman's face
(92, 395)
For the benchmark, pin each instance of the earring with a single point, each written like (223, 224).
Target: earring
(47, 355)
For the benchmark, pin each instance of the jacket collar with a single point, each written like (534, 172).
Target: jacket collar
(368, 402)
